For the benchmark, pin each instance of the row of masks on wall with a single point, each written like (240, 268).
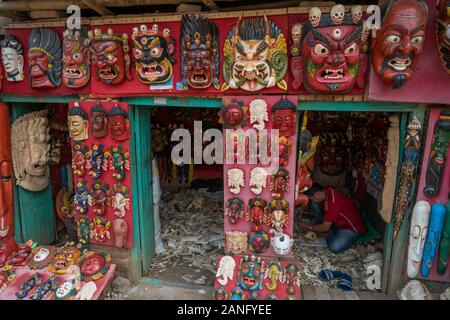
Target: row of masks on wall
(328, 52)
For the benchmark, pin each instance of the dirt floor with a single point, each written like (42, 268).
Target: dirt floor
(192, 234)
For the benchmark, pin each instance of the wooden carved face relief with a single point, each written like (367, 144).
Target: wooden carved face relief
(235, 180)
(258, 179)
(30, 149)
(200, 55)
(78, 123)
(236, 242)
(153, 51)
(255, 56)
(110, 56)
(258, 114)
(119, 125)
(76, 58)
(12, 58)
(44, 58)
(284, 118)
(442, 32)
(399, 42)
(99, 121)
(331, 56)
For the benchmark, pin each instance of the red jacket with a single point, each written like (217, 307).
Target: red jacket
(342, 212)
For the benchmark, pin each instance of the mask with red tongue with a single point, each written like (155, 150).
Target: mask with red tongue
(399, 42)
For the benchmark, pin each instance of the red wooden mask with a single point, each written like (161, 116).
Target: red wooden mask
(443, 32)
(119, 125)
(76, 56)
(330, 51)
(399, 42)
(284, 118)
(110, 56)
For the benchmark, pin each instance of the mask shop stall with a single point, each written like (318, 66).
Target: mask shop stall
(106, 129)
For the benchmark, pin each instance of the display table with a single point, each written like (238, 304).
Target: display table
(24, 273)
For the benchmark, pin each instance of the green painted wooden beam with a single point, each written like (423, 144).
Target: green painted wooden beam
(37, 99)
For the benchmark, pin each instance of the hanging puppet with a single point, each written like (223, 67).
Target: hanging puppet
(438, 155)
(97, 160)
(250, 274)
(118, 162)
(417, 235)
(435, 226)
(78, 123)
(30, 150)
(399, 43)
(153, 51)
(255, 55)
(408, 172)
(329, 53)
(44, 58)
(12, 58)
(99, 121)
(76, 58)
(110, 56)
(284, 118)
(199, 52)
(99, 197)
(235, 209)
(79, 159)
(6, 172)
(442, 32)
(119, 123)
(121, 200)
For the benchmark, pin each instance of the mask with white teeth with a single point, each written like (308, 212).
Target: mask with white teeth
(76, 57)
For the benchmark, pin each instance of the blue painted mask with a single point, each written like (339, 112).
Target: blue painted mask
(435, 226)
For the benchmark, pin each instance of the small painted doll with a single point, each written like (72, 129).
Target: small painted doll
(100, 229)
(99, 197)
(79, 159)
(97, 160)
(81, 197)
(121, 200)
(119, 162)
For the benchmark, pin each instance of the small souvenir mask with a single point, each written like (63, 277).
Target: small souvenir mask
(332, 153)
(78, 123)
(110, 56)
(21, 256)
(235, 242)
(44, 58)
(153, 51)
(399, 42)
(45, 289)
(258, 210)
(30, 150)
(237, 294)
(119, 162)
(225, 271)
(258, 179)
(7, 247)
(417, 235)
(435, 226)
(83, 231)
(221, 294)
(251, 272)
(119, 125)
(233, 115)
(120, 230)
(97, 161)
(284, 150)
(66, 290)
(65, 257)
(235, 180)
(235, 209)
(7, 274)
(258, 240)
(12, 58)
(79, 159)
(284, 118)
(279, 182)
(81, 197)
(281, 244)
(258, 114)
(274, 271)
(332, 54)
(121, 201)
(444, 245)
(255, 56)
(41, 257)
(442, 32)
(76, 58)
(28, 286)
(100, 229)
(99, 121)
(292, 274)
(278, 218)
(200, 52)
(94, 266)
(99, 197)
